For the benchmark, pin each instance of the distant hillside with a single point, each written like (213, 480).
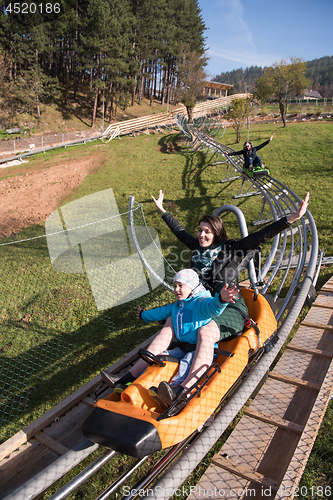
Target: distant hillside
(319, 72)
(242, 79)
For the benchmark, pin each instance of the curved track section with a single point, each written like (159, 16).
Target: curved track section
(295, 249)
(292, 249)
(292, 253)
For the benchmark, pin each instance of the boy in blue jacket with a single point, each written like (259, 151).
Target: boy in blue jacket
(187, 320)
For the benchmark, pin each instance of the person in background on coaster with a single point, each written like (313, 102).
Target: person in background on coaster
(185, 318)
(249, 152)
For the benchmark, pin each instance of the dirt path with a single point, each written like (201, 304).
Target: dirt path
(29, 197)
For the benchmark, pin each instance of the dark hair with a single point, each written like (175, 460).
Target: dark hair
(249, 143)
(218, 227)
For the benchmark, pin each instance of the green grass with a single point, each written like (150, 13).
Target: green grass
(304, 108)
(300, 156)
(55, 310)
(53, 338)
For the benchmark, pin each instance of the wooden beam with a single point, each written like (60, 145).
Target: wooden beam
(277, 421)
(12, 444)
(301, 455)
(298, 382)
(317, 325)
(89, 401)
(323, 306)
(241, 471)
(312, 352)
(51, 443)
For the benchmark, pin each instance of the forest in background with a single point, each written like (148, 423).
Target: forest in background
(319, 72)
(113, 51)
(110, 54)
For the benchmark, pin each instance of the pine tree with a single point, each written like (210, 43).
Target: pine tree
(26, 39)
(111, 46)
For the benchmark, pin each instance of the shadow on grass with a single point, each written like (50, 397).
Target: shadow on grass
(170, 144)
(325, 274)
(198, 199)
(82, 112)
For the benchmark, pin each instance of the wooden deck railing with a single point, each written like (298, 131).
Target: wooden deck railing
(167, 118)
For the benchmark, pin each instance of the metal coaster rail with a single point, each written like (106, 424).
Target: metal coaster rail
(281, 200)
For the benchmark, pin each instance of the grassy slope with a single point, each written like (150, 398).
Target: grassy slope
(56, 116)
(299, 155)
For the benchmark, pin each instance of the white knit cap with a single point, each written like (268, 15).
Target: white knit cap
(188, 277)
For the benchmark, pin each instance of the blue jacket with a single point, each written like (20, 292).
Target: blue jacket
(188, 315)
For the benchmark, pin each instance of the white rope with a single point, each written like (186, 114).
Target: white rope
(153, 241)
(65, 230)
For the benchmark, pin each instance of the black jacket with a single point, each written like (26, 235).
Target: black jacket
(228, 264)
(249, 153)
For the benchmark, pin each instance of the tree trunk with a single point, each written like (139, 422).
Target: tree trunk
(140, 90)
(155, 81)
(37, 107)
(111, 102)
(189, 110)
(238, 134)
(74, 83)
(10, 75)
(283, 113)
(95, 109)
(79, 81)
(164, 79)
(151, 88)
(141, 83)
(111, 110)
(66, 82)
(133, 93)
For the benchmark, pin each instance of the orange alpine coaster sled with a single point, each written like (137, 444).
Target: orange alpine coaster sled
(134, 424)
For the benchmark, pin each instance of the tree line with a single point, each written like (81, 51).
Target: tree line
(114, 51)
(279, 82)
(319, 73)
(243, 80)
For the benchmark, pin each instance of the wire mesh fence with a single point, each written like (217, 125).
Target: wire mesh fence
(35, 143)
(68, 295)
(69, 291)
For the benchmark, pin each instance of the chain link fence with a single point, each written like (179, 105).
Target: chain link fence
(23, 144)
